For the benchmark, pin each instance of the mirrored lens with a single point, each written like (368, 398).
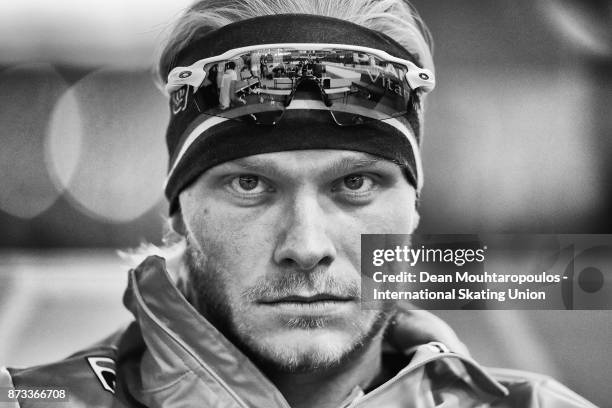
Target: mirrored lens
(258, 86)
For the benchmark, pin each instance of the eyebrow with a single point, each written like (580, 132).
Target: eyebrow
(340, 166)
(348, 164)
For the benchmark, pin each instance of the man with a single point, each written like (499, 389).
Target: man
(270, 198)
(228, 81)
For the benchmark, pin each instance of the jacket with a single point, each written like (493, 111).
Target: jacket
(171, 356)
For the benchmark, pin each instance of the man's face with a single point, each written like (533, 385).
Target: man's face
(274, 250)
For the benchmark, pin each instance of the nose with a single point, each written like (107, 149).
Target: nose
(304, 241)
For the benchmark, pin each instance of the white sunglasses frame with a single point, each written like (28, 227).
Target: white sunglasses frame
(195, 74)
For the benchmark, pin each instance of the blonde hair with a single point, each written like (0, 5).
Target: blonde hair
(396, 18)
(172, 249)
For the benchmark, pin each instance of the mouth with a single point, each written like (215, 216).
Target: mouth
(320, 304)
(307, 299)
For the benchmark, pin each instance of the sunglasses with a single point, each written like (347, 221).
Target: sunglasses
(260, 83)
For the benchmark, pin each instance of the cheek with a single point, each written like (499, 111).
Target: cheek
(389, 219)
(396, 212)
(391, 214)
(236, 244)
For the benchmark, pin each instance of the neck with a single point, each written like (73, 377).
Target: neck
(328, 388)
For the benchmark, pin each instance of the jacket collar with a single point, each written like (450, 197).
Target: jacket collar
(189, 361)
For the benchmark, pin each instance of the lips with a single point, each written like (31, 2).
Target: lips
(307, 299)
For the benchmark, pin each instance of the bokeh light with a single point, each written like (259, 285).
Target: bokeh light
(585, 24)
(524, 158)
(63, 142)
(91, 33)
(27, 189)
(106, 144)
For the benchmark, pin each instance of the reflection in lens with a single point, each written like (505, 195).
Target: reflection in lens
(259, 85)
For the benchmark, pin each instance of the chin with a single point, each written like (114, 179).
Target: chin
(309, 344)
(304, 350)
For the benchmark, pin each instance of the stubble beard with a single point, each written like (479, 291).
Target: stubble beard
(207, 291)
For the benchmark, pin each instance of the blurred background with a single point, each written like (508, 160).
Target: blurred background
(517, 141)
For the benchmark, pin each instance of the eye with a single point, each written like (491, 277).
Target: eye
(356, 188)
(249, 184)
(356, 183)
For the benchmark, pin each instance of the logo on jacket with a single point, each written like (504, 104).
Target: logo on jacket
(104, 368)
